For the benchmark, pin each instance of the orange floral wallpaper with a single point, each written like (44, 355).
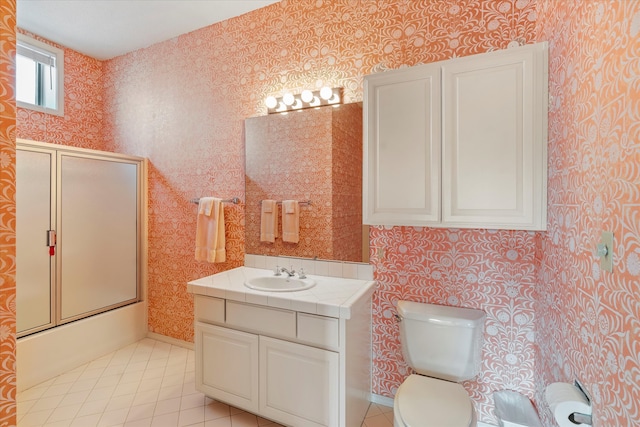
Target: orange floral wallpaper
(307, 155)
(552, 314)
(81, 125)
(588, 320)
(182, 104)
(7, 215)
(347, 179)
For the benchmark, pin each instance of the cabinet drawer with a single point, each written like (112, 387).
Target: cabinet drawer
(209, 309)
(264, 320)
(319, 330)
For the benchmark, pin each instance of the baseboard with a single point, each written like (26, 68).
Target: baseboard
(381, 400)
(170, 340)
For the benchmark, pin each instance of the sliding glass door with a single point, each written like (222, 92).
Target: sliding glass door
(79, 228)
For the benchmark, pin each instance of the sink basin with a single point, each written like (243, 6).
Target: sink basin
(279, 284)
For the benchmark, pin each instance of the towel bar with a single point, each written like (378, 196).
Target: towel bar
(301, 202)
(234, 200)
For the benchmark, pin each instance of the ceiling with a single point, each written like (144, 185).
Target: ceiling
(104, 29)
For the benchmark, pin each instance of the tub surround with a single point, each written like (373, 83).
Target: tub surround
(43, 356)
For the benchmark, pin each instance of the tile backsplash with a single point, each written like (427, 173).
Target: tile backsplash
(348, 270)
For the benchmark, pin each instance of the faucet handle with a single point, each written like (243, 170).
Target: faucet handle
(301, 274)
(277, 271)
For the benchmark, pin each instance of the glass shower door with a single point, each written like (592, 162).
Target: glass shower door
(34, 263)
(98, 235)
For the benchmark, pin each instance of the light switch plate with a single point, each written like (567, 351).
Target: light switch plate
(606, 262)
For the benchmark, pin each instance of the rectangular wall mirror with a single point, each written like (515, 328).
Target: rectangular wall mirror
(310, 155)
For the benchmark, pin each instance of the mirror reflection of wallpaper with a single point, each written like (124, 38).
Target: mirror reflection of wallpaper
(315, 155)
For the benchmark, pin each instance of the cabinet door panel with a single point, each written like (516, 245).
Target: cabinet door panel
(492, 150)
(227, 365)
(298, 384)
(402, 149)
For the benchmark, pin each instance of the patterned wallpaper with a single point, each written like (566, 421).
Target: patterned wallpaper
(489, 270)
(308, 155)
(7, 215)
(81, 125)
(552, 314)
(347, 183)
(588, 320)
(182, 103)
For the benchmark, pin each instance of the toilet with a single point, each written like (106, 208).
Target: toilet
(443, 345)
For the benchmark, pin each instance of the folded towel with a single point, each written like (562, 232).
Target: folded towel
(210, 241)
(290, 221)
(269, 221)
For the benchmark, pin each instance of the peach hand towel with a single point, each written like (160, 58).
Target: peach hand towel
(210, 241)
(290, 221)
(269, 221)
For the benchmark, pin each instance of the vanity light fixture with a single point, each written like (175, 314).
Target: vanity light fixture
(306, 99)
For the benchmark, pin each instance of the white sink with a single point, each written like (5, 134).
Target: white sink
(279, 284)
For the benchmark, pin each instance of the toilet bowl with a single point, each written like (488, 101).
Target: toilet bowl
(443, 345)
(428, 402)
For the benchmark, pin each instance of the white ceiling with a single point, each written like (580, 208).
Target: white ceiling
(104, 29)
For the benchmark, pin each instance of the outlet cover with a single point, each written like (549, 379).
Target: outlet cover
(606, 261)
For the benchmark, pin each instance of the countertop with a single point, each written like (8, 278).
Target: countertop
(331, 296)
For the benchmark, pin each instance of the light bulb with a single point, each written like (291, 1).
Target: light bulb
(271, 102)
(306, 96)
(326, 93)
(288, 99)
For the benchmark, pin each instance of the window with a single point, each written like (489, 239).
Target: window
(39, 76)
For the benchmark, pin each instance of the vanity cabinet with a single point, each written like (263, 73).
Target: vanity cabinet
(459, 143)
(296, 368)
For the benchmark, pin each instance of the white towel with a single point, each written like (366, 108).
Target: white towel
(290, 221)
(210, 242)
(269, 221)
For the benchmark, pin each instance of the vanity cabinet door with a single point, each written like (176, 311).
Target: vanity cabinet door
(227, 365)
(298, 384)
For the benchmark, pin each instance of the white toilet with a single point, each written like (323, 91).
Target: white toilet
(444, 345)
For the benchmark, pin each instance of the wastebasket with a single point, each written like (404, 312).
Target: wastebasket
(514, 410)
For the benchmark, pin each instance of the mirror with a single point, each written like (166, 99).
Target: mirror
(312, 155)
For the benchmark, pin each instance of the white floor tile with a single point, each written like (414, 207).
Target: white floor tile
(141, 412)
(167, 406)
(94, 407)
(64, 413)
(191, 416)
(166, 420)
(147, 384)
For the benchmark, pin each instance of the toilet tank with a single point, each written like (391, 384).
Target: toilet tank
(440, 341)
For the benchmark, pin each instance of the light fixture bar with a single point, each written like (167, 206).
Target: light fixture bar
(306, 99)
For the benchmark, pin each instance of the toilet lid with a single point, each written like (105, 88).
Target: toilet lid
(423, 400)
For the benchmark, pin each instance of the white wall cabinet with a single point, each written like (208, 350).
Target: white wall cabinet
(459, 143)
(295, 368)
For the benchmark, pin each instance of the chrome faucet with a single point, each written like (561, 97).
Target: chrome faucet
(291, 272)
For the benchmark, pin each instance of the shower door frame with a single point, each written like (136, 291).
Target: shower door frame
(57, 152)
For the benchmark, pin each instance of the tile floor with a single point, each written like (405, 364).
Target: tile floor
(149, 383)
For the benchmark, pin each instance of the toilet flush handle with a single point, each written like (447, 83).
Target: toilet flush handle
(398, 318)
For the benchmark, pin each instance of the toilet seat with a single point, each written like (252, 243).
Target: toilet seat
(423, 401)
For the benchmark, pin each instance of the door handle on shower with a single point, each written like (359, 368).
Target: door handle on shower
(51, 241)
